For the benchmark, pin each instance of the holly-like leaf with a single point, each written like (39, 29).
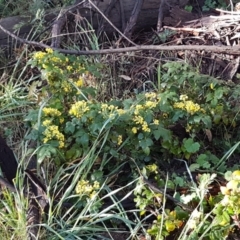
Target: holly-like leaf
(164, 133)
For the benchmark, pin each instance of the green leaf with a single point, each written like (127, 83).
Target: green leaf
(202, 160)
(140, 136)
(207, 121)
(70, 127)
(146, 151)
(97, 176)
(45, 151)
(164, 133)
(145, 143)
(218, 93)
(191, 146)
(194, 166)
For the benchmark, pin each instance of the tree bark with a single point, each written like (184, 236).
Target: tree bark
(147, 19)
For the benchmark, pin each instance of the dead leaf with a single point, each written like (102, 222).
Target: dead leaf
(127, 78)
(209, 134)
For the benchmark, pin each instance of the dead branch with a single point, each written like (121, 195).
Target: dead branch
(230, 50)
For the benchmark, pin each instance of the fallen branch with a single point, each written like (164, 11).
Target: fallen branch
(230, 50)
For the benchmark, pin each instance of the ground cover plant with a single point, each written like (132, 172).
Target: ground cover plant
(103, 154)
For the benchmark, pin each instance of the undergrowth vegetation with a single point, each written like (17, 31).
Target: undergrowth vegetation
(151, 163)
(97, 155)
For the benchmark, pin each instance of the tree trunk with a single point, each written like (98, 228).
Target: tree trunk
(119, 15)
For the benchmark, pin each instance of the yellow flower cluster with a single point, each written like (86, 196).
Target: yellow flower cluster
(47, 122)
(152, 99)
(85, 188)
(150, 104)
(60, 68)
(119, 140)
(138, 108)
(187, 105)
(106, 107)
(51, 112)
(49, 50)
(80, 82)
(52, 133)
(140, 121)
(40, 55)
(121, 112)
(152, 96)
(79, 108)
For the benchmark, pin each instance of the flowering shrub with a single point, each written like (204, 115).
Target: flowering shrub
(179, 119)
(72, 120)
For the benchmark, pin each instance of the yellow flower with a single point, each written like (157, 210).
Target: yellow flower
(191, 107)
(188, 128)
(51, 112)
(79, 108)
(120, 111)
(134, 130)
(119, 140)
(69, 68)
(156, 121)
(188, 106)
(80, 82)
(51, 133)
(46, 122)
(180, 105)
(56, 60)
(138, 120)
(145, 127)
(138, 108)
(39, 55)
(150, 104)
(104, 107)
(85, 188)
(49, 50)
(44, 66)
(212, 86)
(150, 95)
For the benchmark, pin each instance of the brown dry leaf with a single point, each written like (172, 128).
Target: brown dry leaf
(209, 134)
(127, 78)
